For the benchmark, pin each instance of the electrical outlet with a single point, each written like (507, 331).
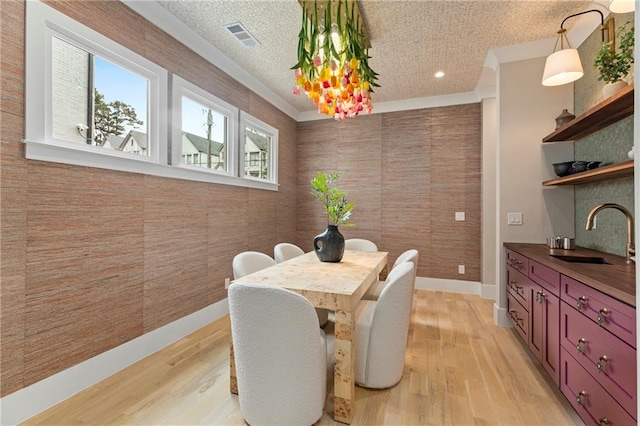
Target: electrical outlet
(461, 269)
(227, 281)
(459, 216)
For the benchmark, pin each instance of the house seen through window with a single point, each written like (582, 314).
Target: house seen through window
(257, 150)
(96, 102)
(204, 136)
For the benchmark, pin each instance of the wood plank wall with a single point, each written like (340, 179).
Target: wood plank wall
(93, 258)
(408, 173)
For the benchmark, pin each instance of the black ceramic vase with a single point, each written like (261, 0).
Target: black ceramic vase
(331, 246)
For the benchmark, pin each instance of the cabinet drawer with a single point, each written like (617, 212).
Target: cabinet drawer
(545, 276)
(519, 317)
(598, 347)
(609, 313)
(518, 286)
(590, 400)
(518, 262)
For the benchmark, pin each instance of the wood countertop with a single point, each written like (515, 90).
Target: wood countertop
(616, 279)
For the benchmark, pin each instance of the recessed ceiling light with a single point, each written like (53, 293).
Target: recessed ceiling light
(439, 74)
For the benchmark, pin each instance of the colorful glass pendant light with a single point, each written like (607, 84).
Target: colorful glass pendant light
(333, 68)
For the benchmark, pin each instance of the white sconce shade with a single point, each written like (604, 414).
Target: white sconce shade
(562, 67)
(622, 6)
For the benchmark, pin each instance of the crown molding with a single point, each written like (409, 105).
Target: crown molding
(583, 28)
(160, 17)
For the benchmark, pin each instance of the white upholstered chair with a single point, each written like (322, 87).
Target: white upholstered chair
(280, 355)
(376, 288)
(360, 244)
(248, 262)
(381, 330)
(285, 251)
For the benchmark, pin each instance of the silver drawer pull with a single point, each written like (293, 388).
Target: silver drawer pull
(603, 421)
(601, 364)
(602, 316)
(580, 345)
(540, 296)
(514, 316)
(581, 301)
(581, 396)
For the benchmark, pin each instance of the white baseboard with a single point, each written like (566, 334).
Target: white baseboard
(500, 316)
(456, 286)
(27, 402)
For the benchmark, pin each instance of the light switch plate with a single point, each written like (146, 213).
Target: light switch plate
(514, 218)
(459, 216)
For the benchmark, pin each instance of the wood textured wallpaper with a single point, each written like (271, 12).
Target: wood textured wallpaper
(93, 258)
(408, 173)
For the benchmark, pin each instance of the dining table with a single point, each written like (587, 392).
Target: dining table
(337, 286)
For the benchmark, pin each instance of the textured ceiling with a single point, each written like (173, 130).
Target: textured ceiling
(411, 40)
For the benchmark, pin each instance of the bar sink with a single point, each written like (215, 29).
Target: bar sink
(581, 259)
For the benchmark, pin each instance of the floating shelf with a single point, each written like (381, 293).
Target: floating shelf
(612, 171)
(605, 113)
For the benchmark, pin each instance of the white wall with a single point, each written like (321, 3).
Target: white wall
(526, 113)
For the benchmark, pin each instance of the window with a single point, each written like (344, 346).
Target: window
(204, 130)
(93, 102)
(96, 102)
(259, 148)
(205, 140)
(89, 100)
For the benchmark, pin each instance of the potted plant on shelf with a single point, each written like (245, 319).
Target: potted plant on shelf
(614, 65)
(338, 210)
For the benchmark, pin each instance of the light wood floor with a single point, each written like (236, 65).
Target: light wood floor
(460, 369)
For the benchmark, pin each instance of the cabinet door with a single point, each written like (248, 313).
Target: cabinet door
(519, 286)
(607, 312)
(519, 317)
(590, 400)
(609, 360)
(544, 335)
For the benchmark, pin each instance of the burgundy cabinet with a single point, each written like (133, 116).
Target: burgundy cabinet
(585, 339)
(598, 342)
(590, 400)
(607, 312)
(534, 309)
(544, 336)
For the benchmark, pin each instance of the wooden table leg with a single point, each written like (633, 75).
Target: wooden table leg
(233, 382)
(344, 369)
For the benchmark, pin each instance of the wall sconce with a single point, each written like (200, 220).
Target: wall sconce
(564, 66)
(622, 6)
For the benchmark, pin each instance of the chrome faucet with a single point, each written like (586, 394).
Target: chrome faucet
(631, 250)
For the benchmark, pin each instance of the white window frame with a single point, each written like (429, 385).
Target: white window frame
(182, 87)
(247, 120)
(43, 22)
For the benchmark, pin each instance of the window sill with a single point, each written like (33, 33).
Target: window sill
(59, 154)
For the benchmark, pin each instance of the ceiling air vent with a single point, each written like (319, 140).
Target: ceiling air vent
(241, 33)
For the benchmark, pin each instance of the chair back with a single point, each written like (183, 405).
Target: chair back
(286, 251)
(280, 355)
(360, 244)
(409, 256)
(390, 327)
(249, 262)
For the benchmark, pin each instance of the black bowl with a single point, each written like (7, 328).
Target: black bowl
(563, 169)
(578, 166)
